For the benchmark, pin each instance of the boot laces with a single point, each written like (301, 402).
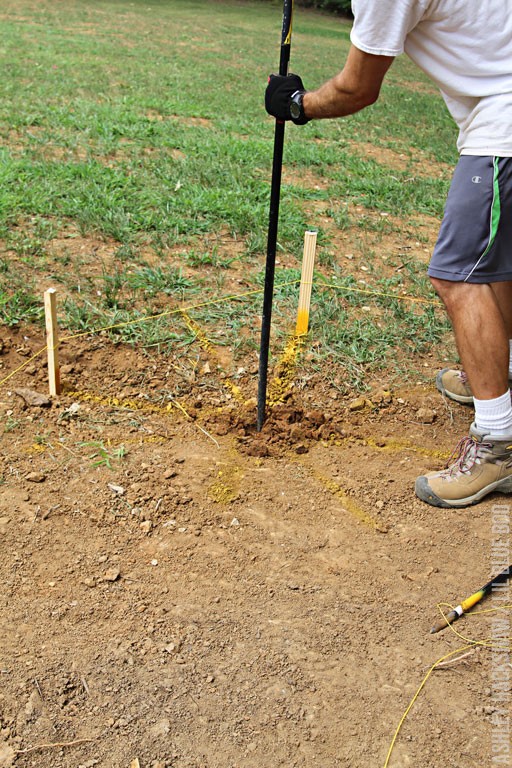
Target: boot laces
(465, 455)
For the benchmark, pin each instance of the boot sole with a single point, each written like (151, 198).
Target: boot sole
(463, 399)
(425, 493)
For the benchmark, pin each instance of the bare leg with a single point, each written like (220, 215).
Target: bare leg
(503, 293)
(481, 332)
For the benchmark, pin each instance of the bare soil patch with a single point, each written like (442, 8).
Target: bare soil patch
(182, 591)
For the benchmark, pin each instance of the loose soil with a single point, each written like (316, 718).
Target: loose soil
(182, 591)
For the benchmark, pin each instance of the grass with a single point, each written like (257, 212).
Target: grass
(102, 456)
(135, 166)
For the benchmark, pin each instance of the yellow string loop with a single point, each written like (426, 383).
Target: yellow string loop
(487, 643)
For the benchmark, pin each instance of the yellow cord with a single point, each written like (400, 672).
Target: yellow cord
(220, 300)
(351, 289)
(411, 704)
(487, 643)
(25, 363)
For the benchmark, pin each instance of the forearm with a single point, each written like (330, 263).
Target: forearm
(334, 99)
(354, 88)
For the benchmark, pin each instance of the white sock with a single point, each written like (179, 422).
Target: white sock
(494, 416)
(510, 360)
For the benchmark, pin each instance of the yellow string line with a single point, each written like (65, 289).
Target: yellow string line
(20, 367)
(492, 610)
(169, 312)
(468, 639)
(416, 299)
(470, 644)
(136, 322)
(220, 300)
(411, 704)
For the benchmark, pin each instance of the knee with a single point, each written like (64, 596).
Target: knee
(451, 293)
(443, 288)
(437, 284)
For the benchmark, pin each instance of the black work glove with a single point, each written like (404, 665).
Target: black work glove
(281, 91)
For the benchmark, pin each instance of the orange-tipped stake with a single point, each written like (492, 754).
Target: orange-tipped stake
(306, 283)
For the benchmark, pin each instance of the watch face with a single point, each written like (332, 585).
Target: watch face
(294, 110)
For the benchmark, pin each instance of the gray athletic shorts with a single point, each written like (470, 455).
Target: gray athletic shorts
(475, 238)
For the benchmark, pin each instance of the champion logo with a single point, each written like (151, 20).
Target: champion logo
(476, 179)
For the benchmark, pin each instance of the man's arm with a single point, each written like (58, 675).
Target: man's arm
(355, 87)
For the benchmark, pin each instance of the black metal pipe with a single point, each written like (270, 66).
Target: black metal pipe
(273, 221)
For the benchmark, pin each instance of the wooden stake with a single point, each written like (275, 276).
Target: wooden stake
(52, 340)
(306, 283)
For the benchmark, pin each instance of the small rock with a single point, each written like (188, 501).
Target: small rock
(35, 477)
(235, 522)
(426, 415)
(89, 582)
(146, 526)
(112, 574)
(381, 396)
(116, 489)
(358, 404)
(31, 397)
(382, 528)
(71, 411)
(258, 448)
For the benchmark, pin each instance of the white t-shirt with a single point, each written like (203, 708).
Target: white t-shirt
(465, 46)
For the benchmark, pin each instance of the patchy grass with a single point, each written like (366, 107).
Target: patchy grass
(135, 169)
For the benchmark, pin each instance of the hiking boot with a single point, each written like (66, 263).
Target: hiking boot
(455, 385)
(482, 464)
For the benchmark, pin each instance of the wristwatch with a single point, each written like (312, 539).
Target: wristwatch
(297, 108)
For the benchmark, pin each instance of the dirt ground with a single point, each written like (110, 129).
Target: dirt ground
(180, 591)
